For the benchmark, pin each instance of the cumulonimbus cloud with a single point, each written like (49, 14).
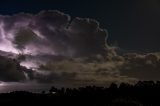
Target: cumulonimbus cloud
(53, 32)
(70, 52)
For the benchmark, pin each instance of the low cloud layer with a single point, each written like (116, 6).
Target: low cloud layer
(83, 71)
(68, 52)
(143, 67)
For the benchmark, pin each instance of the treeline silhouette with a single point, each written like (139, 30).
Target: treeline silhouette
(143, 93)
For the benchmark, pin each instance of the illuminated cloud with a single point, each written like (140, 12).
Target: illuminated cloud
(68, 52)
(53, 32)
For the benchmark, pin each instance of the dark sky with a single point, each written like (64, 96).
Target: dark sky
(132, 24)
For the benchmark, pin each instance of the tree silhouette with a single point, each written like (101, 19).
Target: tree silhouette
(141, 94)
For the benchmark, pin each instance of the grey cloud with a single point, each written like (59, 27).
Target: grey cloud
(56, 31)
(10, 70)
(143, 67)
(72, 52)
(87, 37)
(101, 71)
(24, 37)
(15, 21)
(81, 72)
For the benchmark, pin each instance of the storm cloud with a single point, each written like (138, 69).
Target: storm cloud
(53, 32)
(69, 52)
(142, 66)
(10, 70)
(85, 71)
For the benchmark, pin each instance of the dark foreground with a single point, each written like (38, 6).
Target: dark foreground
(145, 93)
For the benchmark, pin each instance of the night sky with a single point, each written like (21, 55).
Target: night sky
(132, 24)
(78, 43)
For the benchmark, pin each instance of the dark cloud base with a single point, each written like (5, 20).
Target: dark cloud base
(10, 70)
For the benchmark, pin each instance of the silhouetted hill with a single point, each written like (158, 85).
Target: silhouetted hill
(144, 93)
